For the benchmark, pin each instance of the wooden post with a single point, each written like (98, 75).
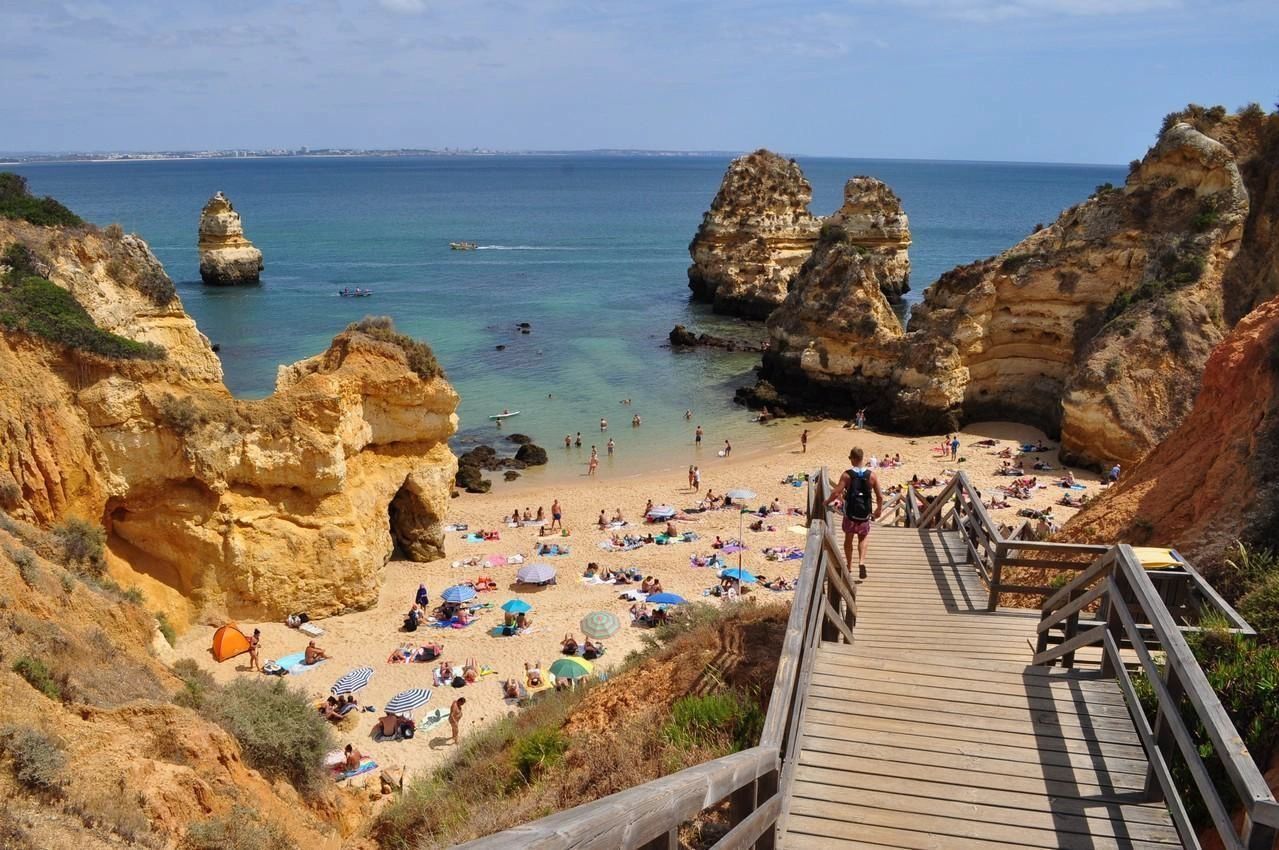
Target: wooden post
(742, 802)
(765, 788)
(1115, 626)
(997, 576)
(1072, 628)
(1164, 740)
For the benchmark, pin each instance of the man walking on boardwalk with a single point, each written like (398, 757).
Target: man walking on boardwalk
(854, 491)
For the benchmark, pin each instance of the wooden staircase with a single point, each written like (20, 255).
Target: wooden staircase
(932, 729)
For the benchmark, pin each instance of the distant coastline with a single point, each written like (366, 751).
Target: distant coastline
(34, 157)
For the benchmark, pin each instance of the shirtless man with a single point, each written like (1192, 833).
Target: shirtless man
(455, 716)
(697, 436)
(313, 654)
(853, 493)
(557, 515)
(353, 758)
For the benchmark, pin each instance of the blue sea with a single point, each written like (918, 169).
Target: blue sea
(590, 250)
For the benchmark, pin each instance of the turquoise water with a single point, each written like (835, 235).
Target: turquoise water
(591, 251)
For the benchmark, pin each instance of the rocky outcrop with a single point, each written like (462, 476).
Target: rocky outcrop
(1215, 478)
(212, 505)
(227, 258)
(872, 219)
(682, 337)
(1096, 327)
(755, 236)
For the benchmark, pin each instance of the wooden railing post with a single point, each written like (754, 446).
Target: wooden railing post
(766, 789)
(1162, 730)
(996, 575)
(742, 802)
(1114, 625)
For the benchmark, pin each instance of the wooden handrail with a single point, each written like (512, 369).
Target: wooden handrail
(754, 781)
(1125, 591)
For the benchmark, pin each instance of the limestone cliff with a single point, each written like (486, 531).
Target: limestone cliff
(872, 219)
(755, 236)
(212, 505)
(1096, 327)
(226, 256)
(1215, 478)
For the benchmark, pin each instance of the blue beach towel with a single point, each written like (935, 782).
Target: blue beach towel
(365, 767)
(293, 663)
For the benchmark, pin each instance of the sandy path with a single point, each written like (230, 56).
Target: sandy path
(367, 637)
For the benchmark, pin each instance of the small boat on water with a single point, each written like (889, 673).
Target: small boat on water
(355, 293)
(464, 246)
(504, 415)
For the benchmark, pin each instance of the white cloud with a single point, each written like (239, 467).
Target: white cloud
(404, 7)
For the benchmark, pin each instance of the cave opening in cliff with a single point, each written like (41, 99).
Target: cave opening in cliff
(417, 532)
(133, 562)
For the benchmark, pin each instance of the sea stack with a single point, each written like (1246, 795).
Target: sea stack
(872, 220)
(755, 236)
(226, 257)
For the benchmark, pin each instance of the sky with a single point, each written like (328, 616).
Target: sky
(1019, 80)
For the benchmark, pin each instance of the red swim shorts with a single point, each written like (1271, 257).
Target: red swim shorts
(860, 527)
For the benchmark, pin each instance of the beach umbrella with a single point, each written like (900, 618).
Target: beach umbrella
(600, 624)
(571, 667)
(734, 548)
(405, 702)
(458, 593)
(666, 599)
(740, 494)
(662, 512)
(738, 573)
(516, 606)
(535, 573)
(352, 682)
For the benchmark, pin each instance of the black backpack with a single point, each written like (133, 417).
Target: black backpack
(857, 497)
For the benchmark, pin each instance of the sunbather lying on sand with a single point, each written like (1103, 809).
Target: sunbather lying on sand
(780, 583)
(533, 674)
(569, 645)
(591, 650)
(470, 671)
(511, 689)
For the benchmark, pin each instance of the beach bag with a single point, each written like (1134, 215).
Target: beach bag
(459, 682)
(857, 498)
(270, 668)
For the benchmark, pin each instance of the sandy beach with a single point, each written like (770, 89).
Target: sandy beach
(368, 637)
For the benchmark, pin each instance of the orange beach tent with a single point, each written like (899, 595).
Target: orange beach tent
(229, 642)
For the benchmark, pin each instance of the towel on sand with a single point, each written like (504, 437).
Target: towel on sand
(365, 767)
(293, 663)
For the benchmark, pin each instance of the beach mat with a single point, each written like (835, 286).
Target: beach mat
(365, 767)
(430, 721)
(293, 663)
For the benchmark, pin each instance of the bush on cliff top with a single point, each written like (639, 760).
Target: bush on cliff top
(33, 305)
(16, 201)
(420, 357)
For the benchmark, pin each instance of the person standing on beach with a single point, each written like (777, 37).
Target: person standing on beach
(697, 479)
(593, 464)
(697, 436)
(803, 442)
(455, 716)
(728, 448)
(690, 476)
(854, 490)
(610, 445)
(1114, 474)
(557, 515)
(954, 447)
(255, 644)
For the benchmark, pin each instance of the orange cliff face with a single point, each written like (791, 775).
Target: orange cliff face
(214, 506)
(1215, 478)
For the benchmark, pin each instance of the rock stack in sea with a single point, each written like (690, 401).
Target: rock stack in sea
(1096, 327)
(755, 236)
(227, 258)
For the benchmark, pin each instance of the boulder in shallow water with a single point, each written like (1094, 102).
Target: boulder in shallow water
(531, 455)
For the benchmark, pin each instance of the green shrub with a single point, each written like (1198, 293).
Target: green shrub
(420, 357)
(156, 286)
(180, 414)
(1260, 607)
(37, 759)
(1104, 189)
(38, 676)
(832, 232)
(83, 544)
(538, 751)
(1243, 568)
(196, 684)
(166, 628)
(16, 201)
(25, 560)
(1205, 220)
(242, 829)
(34, 306)
(19, 259)
(279, 731)
(1013, 263)
(723, 718)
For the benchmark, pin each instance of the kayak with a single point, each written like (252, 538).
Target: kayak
(505, 415)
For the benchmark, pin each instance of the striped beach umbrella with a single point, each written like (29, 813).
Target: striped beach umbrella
(458, 593)
(408, 701)
(535, 573)
(352, 682)
(740, 494)
(666, 599)
(516, 606)
(571, 667)
(600, 624)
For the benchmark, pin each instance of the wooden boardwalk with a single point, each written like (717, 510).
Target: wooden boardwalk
(932, 730)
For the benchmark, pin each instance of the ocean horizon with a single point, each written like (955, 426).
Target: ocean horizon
(590, 250)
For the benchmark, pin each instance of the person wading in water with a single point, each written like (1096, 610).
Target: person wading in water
(854, 491)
